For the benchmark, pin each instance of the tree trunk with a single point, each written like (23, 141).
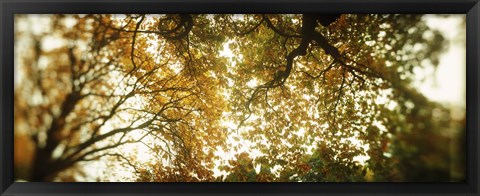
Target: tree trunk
(42, 166)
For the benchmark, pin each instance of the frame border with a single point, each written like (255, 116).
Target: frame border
(8, 8)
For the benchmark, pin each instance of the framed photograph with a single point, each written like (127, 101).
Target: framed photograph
(239, 97)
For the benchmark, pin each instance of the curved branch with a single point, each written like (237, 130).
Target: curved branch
(186, 21)
(119, 156)
(281, 76)
(271, 26)
(133, 42)
(176, 28)
(308, 29)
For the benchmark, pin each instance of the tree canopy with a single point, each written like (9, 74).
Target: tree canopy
(253, 97)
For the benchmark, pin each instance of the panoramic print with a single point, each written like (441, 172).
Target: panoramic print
(239, 98)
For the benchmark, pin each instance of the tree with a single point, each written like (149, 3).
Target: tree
(311, 93)
(106, 98)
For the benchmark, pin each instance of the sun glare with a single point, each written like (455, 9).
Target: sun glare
(252, 83)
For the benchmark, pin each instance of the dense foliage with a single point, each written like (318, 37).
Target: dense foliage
(254, 97)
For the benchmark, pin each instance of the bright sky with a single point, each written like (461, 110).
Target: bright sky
(449, 83)
(448, 86)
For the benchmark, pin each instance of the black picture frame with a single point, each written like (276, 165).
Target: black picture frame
(8, 8)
